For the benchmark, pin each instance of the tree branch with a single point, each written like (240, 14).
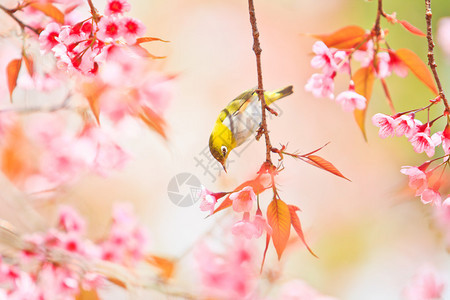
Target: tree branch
(260, 91)
(431, 61)
(22, 25)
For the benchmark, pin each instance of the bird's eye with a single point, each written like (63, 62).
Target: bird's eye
(224, 150)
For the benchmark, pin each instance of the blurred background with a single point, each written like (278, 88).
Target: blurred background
(371, 234)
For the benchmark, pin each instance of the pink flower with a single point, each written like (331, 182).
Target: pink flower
(109, 28)
(131, 29)
(397, 65)
(426, 285)
(261, 225)
(300, 290)
(323, 59)
(406, 125)
(417, 179)
(383, 69)
(117, 7)
(47, 38)
(444, 138)
(245, 228)
(385, 123)
(70, 221)
(431, 196)
(341, 59)
(320, 85)
(422, 141)
(208, 200)
(350, 100)
(243, 199)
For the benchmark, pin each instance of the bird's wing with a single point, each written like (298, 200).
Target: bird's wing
(238, 104)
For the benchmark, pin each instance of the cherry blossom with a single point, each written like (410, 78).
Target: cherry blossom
(406, 125)
(48, 37)
(208, 200)
(320, 85)
(427, 284)
(350, 100)
(444, 138)
(385, 123)
(324, 58)
(417, 179)
(117, 7)
(421, 141)
(243, 199)
(109, 29)
(131, 29)
(432, 196)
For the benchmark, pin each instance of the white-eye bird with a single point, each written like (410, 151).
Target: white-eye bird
(239, 120)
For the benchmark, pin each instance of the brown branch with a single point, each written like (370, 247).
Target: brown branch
(10, 12)
(260, 90)
(431, 61)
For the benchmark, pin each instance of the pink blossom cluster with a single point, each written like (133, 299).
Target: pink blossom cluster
(229, 275)
(427, 284)
(35, 276)
(331, 61)
(61, 153)
(83, 46)
(253, 224)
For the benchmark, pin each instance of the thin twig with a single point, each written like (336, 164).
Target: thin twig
(431, 61)
(10, 12)
(260, 90)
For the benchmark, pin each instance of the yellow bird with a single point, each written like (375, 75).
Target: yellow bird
(239, 120)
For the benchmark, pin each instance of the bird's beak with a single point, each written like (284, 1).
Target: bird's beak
(223, 165)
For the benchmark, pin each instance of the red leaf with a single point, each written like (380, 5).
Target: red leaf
(29, 64)
(49, 10)
(149, 39)
(324, 165)
(265, 251)
(343, 38)
(295, 221)
(411, 28)
(279, 219)
(12, 72)
(363, 79)
(418, 67)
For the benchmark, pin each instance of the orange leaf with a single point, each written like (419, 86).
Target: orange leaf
(295, 221)
(418, 67)
(153, 120)
(363, 79)
(29, 64)
(17, 155)
(265, 251)
(117, 282)
(12, 72)
(144, 52)
(87, 295)
(148, 39)
(166, 266)
(411, 28)
(49, 10)
(325, 165)
(343, 38)
(92, 92)
(388, 95)
(279, 219)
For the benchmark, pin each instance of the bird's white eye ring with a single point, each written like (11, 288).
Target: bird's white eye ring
(224, 150)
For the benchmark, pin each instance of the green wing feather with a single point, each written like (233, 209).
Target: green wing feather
(236, 104)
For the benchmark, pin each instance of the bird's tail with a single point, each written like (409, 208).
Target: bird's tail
(275, 95)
